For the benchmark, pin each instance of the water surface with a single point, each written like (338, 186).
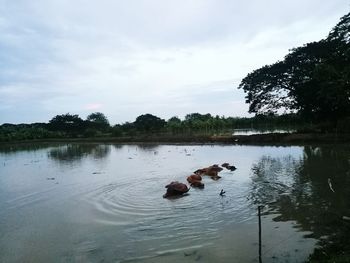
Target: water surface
(103, 203)
(261, 131)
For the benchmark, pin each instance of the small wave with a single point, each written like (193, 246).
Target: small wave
(29, 199)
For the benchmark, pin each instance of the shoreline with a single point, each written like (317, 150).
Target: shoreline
(255, 139)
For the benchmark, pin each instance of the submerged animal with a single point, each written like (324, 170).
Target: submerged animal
(197, 184)
(211, 171)
(194, 177)
(175, 189)
(215, 167)
(229, 167)
(195, 180)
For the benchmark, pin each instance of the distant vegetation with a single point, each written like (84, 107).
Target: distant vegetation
(311, 85)
(97, 125)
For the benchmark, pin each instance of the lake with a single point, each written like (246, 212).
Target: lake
(103, 203)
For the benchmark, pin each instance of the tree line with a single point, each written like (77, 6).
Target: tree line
(61, 126)
(97, 125)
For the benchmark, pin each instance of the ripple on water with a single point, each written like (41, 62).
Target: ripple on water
(120, 203)
(29, 199)
(166, 223)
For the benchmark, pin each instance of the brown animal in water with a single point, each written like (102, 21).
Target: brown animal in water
(200, 171)
(195, 180)
(210, 171)
(229, 167)
(215, 168)
(194, 177)
(175, 189)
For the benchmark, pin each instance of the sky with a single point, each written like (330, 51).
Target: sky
(127, 58)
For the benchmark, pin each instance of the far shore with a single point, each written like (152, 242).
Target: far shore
(256, 139)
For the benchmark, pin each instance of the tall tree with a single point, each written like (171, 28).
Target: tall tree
(98, 120)
(149, 122)
(174, 124)
(68, 123)
(312, 80)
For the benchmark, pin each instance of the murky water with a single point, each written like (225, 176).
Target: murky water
(103, 203)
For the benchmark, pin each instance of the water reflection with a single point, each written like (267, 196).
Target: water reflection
(22, 147)
(76, 152)
(261, 131)
(297, 189)
(148, 147)
(118, 146)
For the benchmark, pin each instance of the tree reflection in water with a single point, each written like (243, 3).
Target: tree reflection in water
(298, 190)
(14, 148)
(76, 152)
(148, 147)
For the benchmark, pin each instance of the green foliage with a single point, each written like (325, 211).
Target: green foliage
(61, 126)
(97, 117)
(313, 80)
(174, 125)
(11, 132)
(117, 130)
(148, 123)
(68, 123)
(98, 121)
(195, 124)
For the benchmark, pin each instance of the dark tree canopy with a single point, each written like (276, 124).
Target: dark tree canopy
(67, 123)
(313, 80)
(98, 121)
(174, 119)
(198, 117)
(98, 117)
(149, 122)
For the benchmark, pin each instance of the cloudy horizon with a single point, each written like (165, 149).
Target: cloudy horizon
(127, 58)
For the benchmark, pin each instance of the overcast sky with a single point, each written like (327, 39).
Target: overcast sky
(127, 58)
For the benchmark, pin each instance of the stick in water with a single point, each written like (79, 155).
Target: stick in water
(330, 185)
(222, 193)
(259, 217)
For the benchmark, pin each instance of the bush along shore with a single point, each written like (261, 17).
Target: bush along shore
(256, 139)
(195, 128)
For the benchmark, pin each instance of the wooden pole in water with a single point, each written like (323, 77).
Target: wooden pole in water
(259, 216)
